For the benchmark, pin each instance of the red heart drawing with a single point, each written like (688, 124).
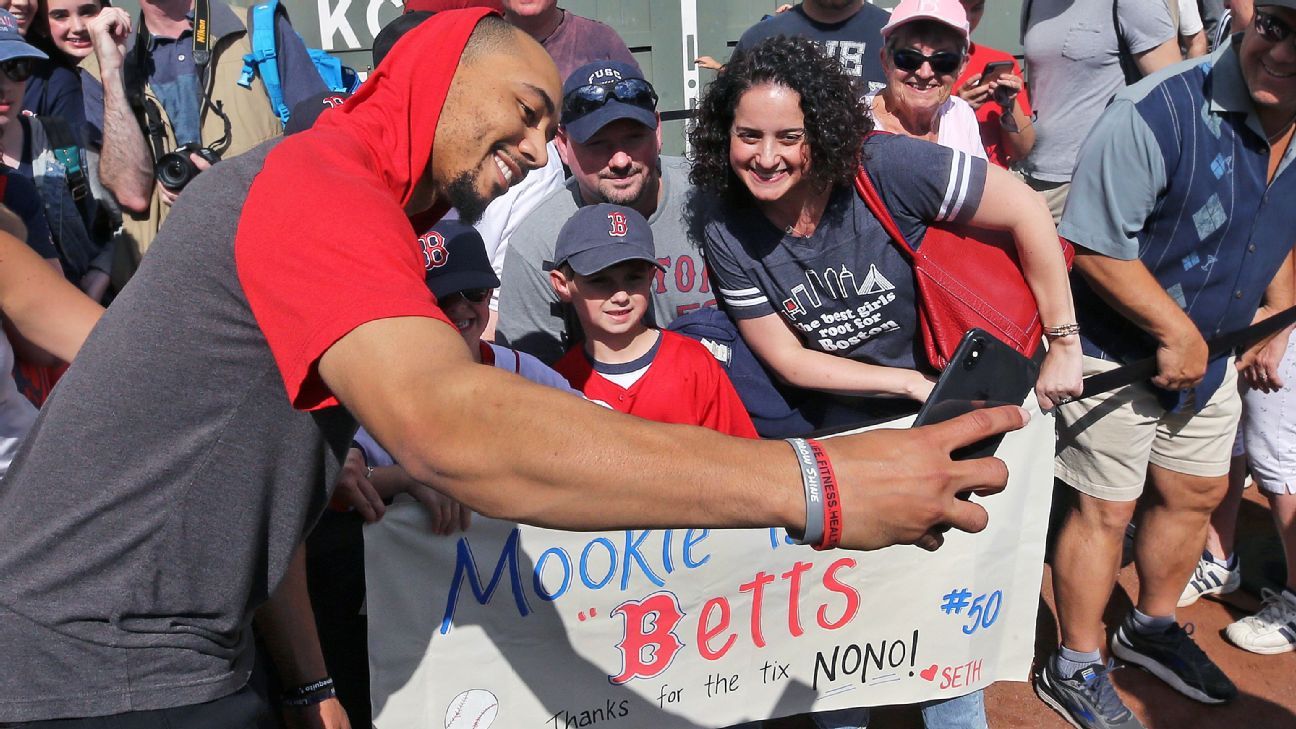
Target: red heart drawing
(930, 673)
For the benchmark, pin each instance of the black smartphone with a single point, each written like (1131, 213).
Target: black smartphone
(984, 372)
(993, 70)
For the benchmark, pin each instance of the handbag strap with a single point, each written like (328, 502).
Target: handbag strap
(869, 194)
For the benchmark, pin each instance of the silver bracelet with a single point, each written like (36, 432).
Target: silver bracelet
(814, 528)
(1062, 330)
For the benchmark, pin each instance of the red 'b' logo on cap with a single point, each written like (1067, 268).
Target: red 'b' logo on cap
(435, 254)
(620, 224)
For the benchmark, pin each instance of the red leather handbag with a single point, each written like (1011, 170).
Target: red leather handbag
(967, 278)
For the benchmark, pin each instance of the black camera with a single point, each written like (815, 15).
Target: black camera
(174, 170)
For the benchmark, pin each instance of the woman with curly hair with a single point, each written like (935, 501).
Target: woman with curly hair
(819, 292)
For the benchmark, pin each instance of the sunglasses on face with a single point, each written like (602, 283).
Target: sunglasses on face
(942, 62)
(18, 69)
(475, 296)
(633, 91)
(1270, 28)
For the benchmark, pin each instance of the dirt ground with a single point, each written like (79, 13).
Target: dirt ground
(1267, 684)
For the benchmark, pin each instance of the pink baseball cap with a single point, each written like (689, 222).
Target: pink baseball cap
(947, 12)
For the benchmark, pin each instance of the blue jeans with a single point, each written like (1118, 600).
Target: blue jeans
(961, 712)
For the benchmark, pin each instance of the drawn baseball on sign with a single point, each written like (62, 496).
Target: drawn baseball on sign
(472, 709)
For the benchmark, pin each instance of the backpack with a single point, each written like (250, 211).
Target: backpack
(262, 60)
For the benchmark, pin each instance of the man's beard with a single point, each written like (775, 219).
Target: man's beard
(629, 197)
(463, 195)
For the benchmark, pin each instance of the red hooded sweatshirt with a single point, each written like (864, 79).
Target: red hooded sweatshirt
(324, 244)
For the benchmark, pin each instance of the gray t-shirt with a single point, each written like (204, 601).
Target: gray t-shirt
(164, 488)
(530, 316)
(847, 289)
(1073, 61)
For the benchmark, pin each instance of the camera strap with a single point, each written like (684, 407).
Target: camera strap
(137, 74)
(136, 78)
(202, 38)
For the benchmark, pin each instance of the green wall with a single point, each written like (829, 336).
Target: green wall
(663, 34)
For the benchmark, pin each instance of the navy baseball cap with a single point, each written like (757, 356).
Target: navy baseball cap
(601, 92)
(457, 259)
(600, 236)
(12, 43)
(306, 111)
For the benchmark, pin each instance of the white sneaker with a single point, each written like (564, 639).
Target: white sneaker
(1271, 630)
(1210, 578)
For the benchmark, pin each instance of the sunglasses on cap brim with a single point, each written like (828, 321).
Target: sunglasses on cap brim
(585, 99)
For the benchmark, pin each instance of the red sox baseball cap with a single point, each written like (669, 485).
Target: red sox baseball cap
(456, 259)
(599, 236)
(602, 92)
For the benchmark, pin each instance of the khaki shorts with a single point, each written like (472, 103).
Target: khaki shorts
(1106, 442)
(1054, 193)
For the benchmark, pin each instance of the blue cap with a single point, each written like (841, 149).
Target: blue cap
(607, 74)
(12, 44)
(600, 236)
(456, 258)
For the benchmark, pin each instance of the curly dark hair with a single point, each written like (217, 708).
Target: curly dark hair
(836, 119)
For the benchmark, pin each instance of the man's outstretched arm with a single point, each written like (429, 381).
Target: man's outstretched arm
(511, 449)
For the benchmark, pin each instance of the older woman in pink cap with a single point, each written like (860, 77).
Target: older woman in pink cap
(924, 51)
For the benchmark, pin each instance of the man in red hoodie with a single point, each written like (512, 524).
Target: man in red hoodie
(163, 492)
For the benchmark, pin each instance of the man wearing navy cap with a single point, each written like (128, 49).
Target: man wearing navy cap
(610, 138)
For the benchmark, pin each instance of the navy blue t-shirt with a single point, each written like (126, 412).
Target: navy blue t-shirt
(55, 90)
(855, 42)
(20, 196)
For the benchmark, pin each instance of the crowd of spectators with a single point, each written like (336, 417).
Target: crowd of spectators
(1154, 135)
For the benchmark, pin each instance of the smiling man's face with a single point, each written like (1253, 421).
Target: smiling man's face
(494, 125)
(1269, 66)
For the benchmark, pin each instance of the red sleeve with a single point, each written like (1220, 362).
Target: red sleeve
(308, 294)
(719, 406)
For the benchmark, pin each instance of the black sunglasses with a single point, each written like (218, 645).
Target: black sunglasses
(585, 99)
(942, 62)
(18, 69)
(1271, 28)
(475, 296)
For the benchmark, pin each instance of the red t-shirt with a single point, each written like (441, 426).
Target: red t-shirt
(684, 384)
(989, 113)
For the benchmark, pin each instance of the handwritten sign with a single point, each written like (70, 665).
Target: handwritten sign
(539, 629)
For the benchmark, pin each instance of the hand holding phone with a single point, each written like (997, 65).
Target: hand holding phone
(994, 70)
(984, 372)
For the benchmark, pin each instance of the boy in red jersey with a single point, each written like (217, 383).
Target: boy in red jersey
(604, 269)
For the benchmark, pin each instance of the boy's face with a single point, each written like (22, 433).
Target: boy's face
(612, 301)
(470, 312)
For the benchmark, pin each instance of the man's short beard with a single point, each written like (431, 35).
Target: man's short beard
(628, 198)
(463, 196)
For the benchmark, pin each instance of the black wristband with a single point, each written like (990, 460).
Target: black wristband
(810, 480)
(318, 697)
(310, 694)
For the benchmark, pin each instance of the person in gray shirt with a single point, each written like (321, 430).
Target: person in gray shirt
(611, 140)
(1074, 55)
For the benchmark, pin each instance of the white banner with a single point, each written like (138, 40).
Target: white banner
(530, 628)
